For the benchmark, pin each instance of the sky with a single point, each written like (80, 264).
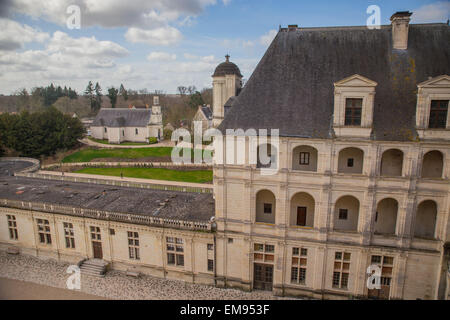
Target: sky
(161, 44)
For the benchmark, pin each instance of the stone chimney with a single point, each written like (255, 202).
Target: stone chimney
(400, 27)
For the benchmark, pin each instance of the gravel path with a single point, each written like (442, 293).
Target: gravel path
(116, 285)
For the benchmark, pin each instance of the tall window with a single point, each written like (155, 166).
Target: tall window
(341, 270)
(175, 251)
(44, 231)
(210, 265)
(12, 226)
(136, 131)
(386, 264)
(133, 245)
(438, 114)
(69, 235)
(353, 109)
(299, 261)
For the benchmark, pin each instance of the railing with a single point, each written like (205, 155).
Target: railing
(107, 215)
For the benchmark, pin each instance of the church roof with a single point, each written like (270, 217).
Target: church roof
(227, 67)
(115, 118)
(292, 88)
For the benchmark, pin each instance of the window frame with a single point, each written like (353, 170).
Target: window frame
(353, 121)
(12, 227)
(69, 235)
(436, 124)
(44, 231)
(304, 158)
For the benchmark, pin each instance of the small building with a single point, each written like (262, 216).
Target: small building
(205, 116)
(135, 125)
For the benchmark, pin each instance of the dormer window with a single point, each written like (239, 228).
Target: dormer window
(353, 110)
(432, 116)
(438, 114)
(353, 106)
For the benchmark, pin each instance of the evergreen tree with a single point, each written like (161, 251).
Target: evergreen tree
(98, 97)
(123, 92)
(112, 95)
(89, 93)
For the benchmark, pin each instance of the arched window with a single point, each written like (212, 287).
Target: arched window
(265, 206)
(386, 216)
(350, 160)
(266, 156)
(432, 165)
(302, 210)
(304, 158)
(346, 214)
(425, 224)
(392, 163)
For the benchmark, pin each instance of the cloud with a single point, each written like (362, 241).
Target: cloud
(111, 13)
(435, 12)
(160, 36)
(89, 47)
(161, 56)
(226, 2)
(266, 39)
(14, 35)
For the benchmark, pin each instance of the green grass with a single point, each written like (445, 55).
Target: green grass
(90, 154)
(197, 176)
(104, 141)
(87, 155)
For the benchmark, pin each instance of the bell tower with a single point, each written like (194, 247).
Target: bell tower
(227, 82)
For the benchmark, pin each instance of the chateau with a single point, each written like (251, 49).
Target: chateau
(361, 178)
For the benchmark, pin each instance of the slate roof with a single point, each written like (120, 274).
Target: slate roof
(227, 67)
(122, 118)
(292, 88)
(180, 205)
(207, 112)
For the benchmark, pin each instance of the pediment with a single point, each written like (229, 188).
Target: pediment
(355, 81)
(436, 82)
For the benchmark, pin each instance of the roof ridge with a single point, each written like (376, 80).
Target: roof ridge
(384, 26)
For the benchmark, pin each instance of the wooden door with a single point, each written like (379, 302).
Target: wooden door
(301, 216)
(97, 248)
(263, 277)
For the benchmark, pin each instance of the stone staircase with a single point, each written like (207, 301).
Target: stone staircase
(94, 267)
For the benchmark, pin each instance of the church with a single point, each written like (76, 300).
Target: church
(361, 178)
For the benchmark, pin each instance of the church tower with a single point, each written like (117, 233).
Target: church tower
(227, 83)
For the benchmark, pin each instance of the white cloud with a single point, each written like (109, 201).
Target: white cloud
(14, 35)
(161, 56)
(266, 39)
(226, 2)
(435, 12)
(64, 44)
(112, 13)
(160, 36)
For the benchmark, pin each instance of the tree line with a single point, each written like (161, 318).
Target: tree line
(41, 133)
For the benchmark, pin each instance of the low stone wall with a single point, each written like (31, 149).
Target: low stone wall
(34, 166)
(145, 185)
(202, 166)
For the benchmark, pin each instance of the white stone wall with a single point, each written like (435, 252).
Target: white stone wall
(236, 187)
(153, 259)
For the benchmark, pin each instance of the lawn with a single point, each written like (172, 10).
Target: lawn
(90, 154)
(197, 176)
(104, 141)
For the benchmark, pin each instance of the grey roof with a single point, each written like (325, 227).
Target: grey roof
(292, 88)
(207, 112)
(180, 205)
(227, 67)
(122, 118)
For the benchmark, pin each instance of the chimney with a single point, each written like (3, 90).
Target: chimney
(293, 27)
(400, 26)
(146, 106)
